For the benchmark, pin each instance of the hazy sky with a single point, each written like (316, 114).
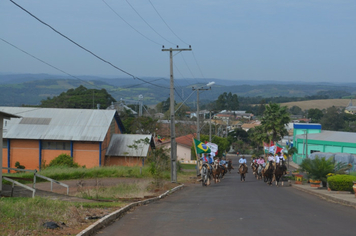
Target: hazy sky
(308, 40)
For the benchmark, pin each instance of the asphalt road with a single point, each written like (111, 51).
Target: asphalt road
(237, 208)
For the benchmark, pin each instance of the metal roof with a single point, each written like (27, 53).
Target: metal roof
(119, 145)
(332, 136)
(58, 124)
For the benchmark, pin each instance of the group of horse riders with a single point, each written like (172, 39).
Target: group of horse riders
(273, 170)
(217, 167)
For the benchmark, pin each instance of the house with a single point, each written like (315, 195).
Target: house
(350, 108)
(3, 115)
(41, 134)
(310, 138)
(129, 149)
(248, 126)
(184, 145)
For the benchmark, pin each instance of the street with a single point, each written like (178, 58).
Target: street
(232, 207)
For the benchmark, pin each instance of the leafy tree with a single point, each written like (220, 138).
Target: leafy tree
(333, 120)
(295, 110)
(227, 101)
(80, 97)
(258, 136)
(274, 121)
(315, 115)
(140, 125)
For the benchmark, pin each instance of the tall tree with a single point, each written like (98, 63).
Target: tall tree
(333, 120)
(315, 115)
(274, 121)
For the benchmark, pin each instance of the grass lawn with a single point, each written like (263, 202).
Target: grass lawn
(26, 216)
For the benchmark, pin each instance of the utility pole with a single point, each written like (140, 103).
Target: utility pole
(198, 128)
(173, 132)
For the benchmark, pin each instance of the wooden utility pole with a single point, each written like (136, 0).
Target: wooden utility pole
(173, 132)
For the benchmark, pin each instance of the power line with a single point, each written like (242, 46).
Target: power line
(198, 65)
(87, 50)
(149, 24)
(47, 63)
(130, 24)
(166, 23)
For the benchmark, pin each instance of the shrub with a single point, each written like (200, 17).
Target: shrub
(341, 182)
(63, 160)
(318, 168)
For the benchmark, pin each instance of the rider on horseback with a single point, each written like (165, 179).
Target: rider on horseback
(242, 161)
(270, 161)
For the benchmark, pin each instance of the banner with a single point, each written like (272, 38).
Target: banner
(213, 148)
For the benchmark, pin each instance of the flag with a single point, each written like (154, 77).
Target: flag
(201, 147)
(213, 148)
(279, 148)
(271, 147)
(265, 147)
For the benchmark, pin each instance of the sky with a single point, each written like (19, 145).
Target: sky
(281, 40)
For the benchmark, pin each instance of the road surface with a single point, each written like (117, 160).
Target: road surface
(232, 207)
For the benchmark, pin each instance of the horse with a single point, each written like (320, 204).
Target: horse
(229, 166)
(216, 171)
(254, 169)
(243, 170)
(268, 174)
(259, 171)
(280, 170)
(223, 171)
(205, 175)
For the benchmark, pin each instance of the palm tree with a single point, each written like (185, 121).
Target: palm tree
(259, 136)
(274, 121)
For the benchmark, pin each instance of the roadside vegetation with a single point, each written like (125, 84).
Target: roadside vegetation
(26, 216)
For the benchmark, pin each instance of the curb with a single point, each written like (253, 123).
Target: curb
(326, 197)
(121, 212)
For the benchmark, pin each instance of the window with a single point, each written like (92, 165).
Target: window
(55, 145)
(4, 143)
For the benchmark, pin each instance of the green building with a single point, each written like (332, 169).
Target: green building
(309, 138)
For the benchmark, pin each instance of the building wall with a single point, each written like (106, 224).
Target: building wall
(124, 161)
(4, 159)
(24, 151)
(183, 153)
(322, 146)
(86, 153)
(49, 155)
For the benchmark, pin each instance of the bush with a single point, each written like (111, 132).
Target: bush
(318, 168)
(341, 182)
(63, 160)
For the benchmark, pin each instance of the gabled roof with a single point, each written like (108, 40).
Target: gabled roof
(119, 145)
(59, 124)
(186, 140)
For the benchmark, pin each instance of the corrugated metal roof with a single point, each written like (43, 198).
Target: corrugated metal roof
(58, 124)
(119, 145)
(332, 136)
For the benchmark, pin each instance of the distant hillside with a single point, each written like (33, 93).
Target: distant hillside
(320, 104)
(30, 89)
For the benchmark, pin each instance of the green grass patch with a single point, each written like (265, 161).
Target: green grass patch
(137, 189)
(65, 173)
(188, 166)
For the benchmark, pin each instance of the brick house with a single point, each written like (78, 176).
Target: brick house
(41, 134)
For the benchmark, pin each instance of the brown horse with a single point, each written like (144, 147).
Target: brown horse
(254, 169)
(279, 172)
(268, 174)
(217, 170)
(243, 170)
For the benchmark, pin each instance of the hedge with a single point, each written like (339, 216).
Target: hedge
(341, 182)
